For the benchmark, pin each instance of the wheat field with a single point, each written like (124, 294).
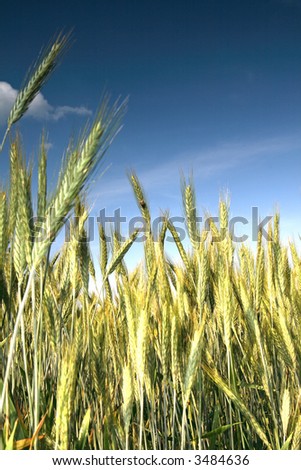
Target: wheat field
(203, 353)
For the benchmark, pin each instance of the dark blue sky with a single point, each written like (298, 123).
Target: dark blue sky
(214, 86)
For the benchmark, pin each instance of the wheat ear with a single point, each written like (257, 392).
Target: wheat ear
(38, 77)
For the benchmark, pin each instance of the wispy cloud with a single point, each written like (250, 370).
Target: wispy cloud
(204, 164)
(48, 145)
(39, 109)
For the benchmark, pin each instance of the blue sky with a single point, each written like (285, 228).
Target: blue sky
(214, 87)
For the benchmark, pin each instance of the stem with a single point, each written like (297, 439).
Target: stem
(230, 405)
(200, 410)
(4, 139)
(165, 415)
(14, 338)
(174, 418)
(183, 428)
(141, 416)
(29, 391)
(35, 362)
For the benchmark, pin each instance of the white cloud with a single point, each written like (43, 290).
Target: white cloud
(61, 111)
(7, 97)
(39, 108)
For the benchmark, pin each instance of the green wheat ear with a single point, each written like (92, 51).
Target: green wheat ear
(37, 77)
(80, 165)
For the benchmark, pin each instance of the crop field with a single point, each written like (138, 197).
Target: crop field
(202, 353)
